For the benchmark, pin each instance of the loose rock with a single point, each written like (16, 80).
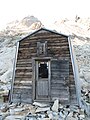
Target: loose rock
(42, 109)
(55, 106)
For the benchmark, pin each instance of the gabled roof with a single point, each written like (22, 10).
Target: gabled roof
(52, 31)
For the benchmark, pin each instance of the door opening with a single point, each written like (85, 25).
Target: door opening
(43, 69)
(42, 79)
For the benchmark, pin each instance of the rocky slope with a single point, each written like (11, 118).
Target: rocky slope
(13, 32)
(78, 28)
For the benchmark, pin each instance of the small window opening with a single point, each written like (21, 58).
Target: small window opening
(43, 69)
(42, 48)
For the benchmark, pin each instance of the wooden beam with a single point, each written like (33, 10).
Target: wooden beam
(76, 72)
(13, 75)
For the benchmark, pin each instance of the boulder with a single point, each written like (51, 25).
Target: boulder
(62, 115)
(82, 117)
(40, 104)
(44, 109)
(50, 115)
(4, 108)
(72, 116)
(87, 76)
(55, 106)
(15, 117)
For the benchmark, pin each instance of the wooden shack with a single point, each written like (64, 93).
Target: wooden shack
(43, 69)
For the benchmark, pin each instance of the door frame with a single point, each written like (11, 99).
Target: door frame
(34, 76)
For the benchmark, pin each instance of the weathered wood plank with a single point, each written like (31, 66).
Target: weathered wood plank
(58, 89)
(20, 62)
(50, 43)
(62, 94)
(24, 100)
(57, 46)
(25, 60)
(59, 54)
(27, 50)
(23, 90)
(60, 70)
(33, 43)
(26, 56)
(24, 65)
(23, 56)
(23, 76)
(24, 68)
(58, 85)
(24, 73)
(22, 87)
(24, 95)
(22, 84)
(58, 81)
(56, 50)
(22, 79)
(43, 37)
(42, 88)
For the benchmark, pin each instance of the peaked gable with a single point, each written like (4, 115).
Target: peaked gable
(56, 55)
(41, 30)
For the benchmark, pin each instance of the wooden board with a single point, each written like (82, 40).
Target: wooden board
(62, 78)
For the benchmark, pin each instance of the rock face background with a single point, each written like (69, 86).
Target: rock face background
(13, 32)
(78, 29)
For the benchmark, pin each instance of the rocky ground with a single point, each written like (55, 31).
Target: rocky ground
(13, 32)
(82, 51)
(41, 111)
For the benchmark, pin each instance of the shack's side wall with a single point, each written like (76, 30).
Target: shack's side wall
(58, 48)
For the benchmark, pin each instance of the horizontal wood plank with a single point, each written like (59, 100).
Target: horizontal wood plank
(61, 74)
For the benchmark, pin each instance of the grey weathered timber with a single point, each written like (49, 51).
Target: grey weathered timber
(41, 87)
(44, 69)
(75, 72)
(60, 72)
(14, 68)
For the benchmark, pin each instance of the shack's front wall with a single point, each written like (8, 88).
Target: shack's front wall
(62, 84)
